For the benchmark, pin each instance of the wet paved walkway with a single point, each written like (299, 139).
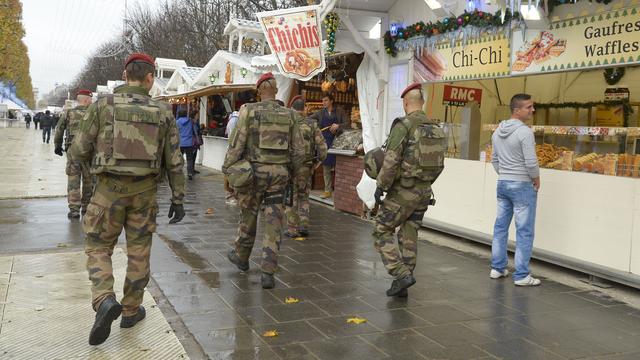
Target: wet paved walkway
(28, 167)
(453, 312)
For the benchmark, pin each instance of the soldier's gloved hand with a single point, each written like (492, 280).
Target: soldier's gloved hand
(176, 213)
(378, 195)
(58, 150)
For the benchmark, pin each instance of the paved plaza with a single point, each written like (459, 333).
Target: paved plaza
(335, 278)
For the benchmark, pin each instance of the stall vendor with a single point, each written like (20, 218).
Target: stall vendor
(332, 121)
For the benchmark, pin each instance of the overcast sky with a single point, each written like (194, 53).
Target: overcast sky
(61, 34)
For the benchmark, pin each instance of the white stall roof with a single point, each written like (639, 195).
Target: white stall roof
(242, 25)
(184, 75)
(170, 64)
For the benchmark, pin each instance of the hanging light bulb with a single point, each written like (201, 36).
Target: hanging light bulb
(471, 5)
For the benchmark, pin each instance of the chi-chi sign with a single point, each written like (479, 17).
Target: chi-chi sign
(459, 96)
(295, 38)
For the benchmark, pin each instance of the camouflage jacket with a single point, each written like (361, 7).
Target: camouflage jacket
(397, 143)
(314, 144)
(129, 134)
(69, 123)
(266, 141)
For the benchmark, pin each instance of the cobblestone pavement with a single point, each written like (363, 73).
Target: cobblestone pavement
(453, 312)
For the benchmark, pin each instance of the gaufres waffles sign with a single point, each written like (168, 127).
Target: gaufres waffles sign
(295, 38)
(600, 40)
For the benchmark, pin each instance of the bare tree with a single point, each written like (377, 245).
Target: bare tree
(191, 30)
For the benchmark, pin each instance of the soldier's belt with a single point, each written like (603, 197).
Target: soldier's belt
(128, 184)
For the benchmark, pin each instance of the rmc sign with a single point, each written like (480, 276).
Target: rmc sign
(459, 96)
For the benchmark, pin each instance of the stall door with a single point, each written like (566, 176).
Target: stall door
(398, 80)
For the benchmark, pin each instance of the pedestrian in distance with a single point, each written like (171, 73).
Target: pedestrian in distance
(27, 120)
(265, 149)
(36, 119)
(413, 160)
(188, 137)
(132, 142)
(315, 151)
(516, 163)
(79, 178)
(46, 122)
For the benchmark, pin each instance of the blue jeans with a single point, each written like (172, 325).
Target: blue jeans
(517, 197)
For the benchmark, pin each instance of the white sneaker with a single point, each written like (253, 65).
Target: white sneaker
(495, 274)
(528, 281)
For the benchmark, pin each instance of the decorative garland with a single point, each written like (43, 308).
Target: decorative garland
(331, 21)
(626, 107)
(469, 23)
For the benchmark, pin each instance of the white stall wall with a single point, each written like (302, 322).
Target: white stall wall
(588, 217)
(213, 151)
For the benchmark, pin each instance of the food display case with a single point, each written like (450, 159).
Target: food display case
(613, 151)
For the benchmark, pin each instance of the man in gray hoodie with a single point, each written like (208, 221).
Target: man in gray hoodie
(514, 159)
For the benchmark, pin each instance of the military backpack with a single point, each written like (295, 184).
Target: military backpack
(132, 138)
(270, 134)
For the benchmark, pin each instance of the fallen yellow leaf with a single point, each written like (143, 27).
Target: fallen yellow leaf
(270, 333)
(291, 300)
(299, 238)
(209, 211)
(356, 320)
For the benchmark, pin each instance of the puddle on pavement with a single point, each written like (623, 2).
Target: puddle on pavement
(197, 262)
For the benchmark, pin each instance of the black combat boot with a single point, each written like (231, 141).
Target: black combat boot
(108, 311)
(268, 282)
(303, 232)
(401, 284)
(73, 214)
(131, 321)
(235, 259)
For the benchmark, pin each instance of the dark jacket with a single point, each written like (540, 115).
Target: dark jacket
(325, 119)
(46, 121)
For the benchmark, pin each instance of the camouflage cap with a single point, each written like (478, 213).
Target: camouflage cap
(373, 160)
(240, 174)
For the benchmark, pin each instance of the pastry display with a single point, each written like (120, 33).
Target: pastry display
(300, 62)
(539, 50)
(428, 66)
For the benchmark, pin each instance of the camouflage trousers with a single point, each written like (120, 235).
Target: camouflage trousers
(266, 195)
(298, 213)
(119, 203)
(404, 208)
(79, 184)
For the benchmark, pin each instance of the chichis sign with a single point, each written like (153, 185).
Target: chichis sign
(601, 40)
(295, 37)
(459, 96)
(487, 57)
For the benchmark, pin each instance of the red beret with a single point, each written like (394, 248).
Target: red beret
(85, 92)
(294, 99)
(140, 57)
(263, 78)
(411, 87)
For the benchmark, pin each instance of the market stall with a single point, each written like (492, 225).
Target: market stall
(586, 128)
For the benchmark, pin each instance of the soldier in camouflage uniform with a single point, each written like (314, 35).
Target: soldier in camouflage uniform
(315, 152)
(265, 136)
(413, 160)
(77, 172)
(132, 141)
